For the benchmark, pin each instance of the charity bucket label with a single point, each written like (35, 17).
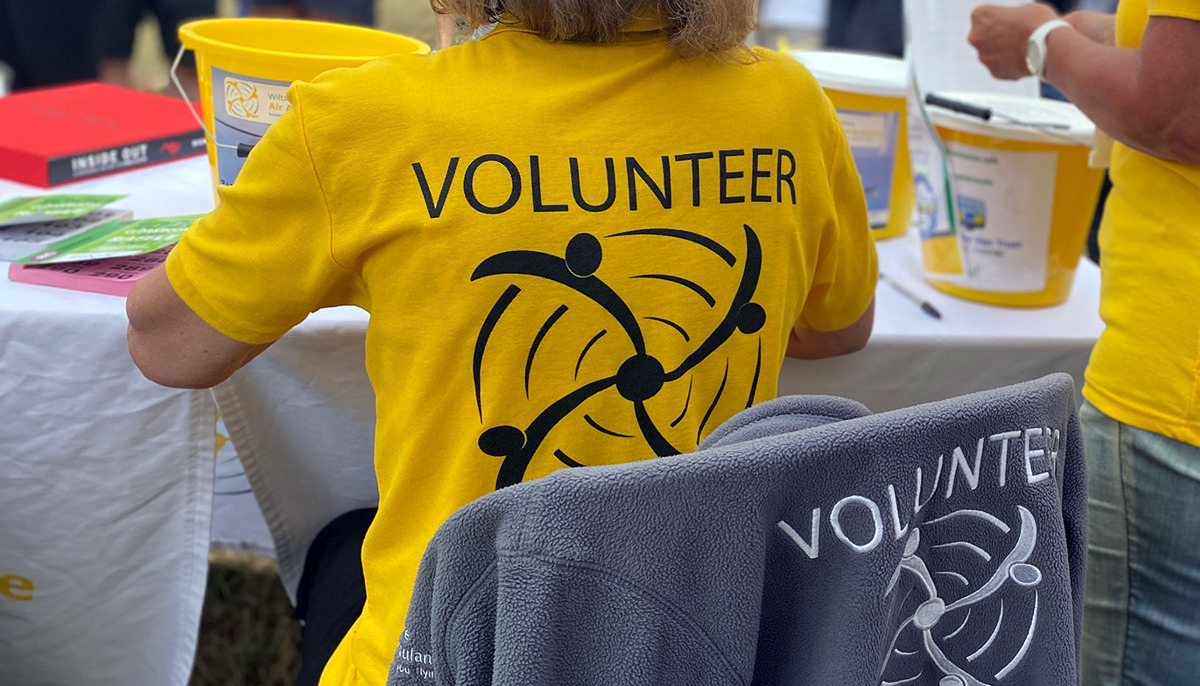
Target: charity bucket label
(255, 101)
(872, 138)
(243, 108)
(1005, 204)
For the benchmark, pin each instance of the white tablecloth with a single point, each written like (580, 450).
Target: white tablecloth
(106, 479)
(179, 188)
(913, 358)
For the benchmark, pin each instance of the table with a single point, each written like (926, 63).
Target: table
(913, 358)
(107, 478)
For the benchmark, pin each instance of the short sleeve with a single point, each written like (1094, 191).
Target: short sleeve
(263, 260)
(846, 271)
(1185, 9)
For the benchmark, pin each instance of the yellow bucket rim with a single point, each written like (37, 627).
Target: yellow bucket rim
(194, 40)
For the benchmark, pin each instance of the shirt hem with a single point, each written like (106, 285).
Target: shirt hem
(1194, 15)
(1141, 418)
(182, 284)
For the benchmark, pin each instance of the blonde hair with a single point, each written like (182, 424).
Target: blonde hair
(694, 27)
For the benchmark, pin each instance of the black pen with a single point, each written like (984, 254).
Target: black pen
(928, 308)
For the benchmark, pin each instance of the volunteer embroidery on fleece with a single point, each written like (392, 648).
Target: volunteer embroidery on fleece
(640, 377)
(962, 599)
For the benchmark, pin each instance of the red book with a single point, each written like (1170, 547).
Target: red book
(58, 135)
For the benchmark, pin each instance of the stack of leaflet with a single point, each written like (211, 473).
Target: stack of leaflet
(75, 242)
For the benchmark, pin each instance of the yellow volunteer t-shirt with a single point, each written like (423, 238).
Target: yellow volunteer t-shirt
(571, 254)
(1145, 369)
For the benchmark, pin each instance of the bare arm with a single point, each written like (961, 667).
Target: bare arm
(810, 344)
(172, 345)
(1145, 98)
(1098, 26)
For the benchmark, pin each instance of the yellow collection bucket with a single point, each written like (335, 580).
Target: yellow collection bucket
(870, 92)
(1026, 197)
(246, 65)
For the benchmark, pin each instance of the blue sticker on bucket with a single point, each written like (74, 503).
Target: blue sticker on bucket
(872, 137)
(243, 108)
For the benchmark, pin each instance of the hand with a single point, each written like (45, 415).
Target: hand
(1000, 34)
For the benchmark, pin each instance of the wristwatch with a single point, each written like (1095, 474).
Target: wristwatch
(1035, 49)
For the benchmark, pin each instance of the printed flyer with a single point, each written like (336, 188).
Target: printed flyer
(113, 276)
(872, 137)
(1005, 206)
(115, 239)
(21, 240)
(47, 208)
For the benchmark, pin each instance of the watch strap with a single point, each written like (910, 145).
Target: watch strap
(1038, 37)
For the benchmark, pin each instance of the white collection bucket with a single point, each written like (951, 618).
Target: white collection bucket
(1026, 197)
(869, 92)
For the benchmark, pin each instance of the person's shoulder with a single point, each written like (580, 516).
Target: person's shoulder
(371, 81)
(780, 79)
(773, 59)
(783, 77)
(782, 66)
(342, 103)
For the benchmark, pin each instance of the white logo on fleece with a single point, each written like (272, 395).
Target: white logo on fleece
(409, 660)
(858, 523)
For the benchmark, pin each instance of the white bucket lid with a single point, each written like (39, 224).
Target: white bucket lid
(856, 72)
(1071, 123)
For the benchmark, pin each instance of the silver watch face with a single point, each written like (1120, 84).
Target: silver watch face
(1033, 58)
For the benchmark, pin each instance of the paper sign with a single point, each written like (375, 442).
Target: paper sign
(254, 100)
(45, 208)
(944, 60)
(115, 239)
(21, 240)
(872, 137)
(1005, 206)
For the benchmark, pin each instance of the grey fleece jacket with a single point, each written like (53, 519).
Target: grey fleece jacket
(806, 542)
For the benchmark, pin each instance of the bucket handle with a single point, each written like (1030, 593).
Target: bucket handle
(242, 149)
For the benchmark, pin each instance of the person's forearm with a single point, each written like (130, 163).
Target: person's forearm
(1141, 108)
(810, 344)
(1098, 79)
(1100, 27)
(1146, 98)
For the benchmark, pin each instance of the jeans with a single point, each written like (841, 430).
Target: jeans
(1141, 622)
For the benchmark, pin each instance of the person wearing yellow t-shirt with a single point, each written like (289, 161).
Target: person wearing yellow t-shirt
(587, 238)
(1138, 77)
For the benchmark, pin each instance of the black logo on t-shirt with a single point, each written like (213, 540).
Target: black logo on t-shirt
(640, 377)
